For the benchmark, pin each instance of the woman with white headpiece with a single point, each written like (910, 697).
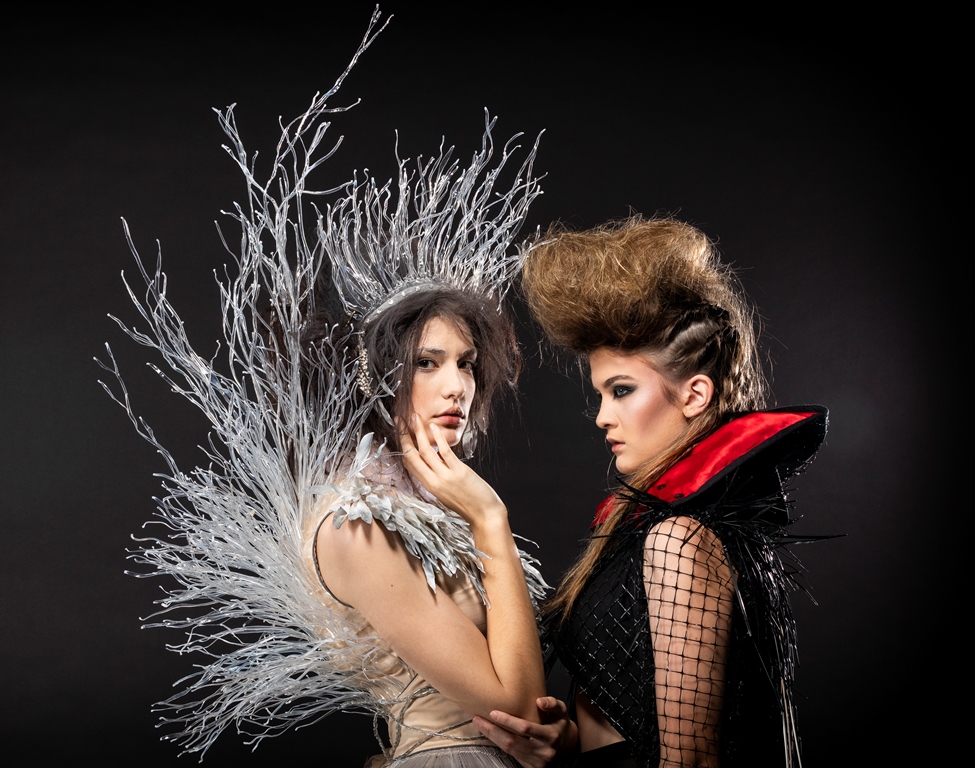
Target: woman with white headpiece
(337, 553)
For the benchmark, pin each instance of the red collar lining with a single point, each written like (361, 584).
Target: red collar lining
(714, 454)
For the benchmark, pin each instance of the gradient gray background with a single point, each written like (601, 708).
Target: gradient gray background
(796, 145)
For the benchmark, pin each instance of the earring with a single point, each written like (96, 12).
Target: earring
(468, 441)
(362, 371)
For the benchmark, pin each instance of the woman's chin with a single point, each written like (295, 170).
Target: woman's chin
(623, 467)
(450, 436)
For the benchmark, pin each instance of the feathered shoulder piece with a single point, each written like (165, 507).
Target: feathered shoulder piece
(232, 531)
(374, 487)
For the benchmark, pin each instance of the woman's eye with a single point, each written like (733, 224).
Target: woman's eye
(467, 365)
(425, 362)
(621, 391)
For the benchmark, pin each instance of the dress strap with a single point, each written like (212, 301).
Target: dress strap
(318, 568)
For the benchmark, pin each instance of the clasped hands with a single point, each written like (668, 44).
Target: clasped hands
(534, 745)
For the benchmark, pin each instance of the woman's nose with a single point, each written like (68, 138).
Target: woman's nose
(454, 385)
(603, 419)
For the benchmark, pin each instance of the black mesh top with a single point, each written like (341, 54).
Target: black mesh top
(683, 636)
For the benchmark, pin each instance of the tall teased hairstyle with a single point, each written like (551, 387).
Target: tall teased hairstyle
(390, 341)
(655, 287)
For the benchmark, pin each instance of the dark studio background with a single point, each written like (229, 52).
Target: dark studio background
(794, 145)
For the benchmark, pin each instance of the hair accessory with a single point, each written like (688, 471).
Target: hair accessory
(468, 440)
(447, 226)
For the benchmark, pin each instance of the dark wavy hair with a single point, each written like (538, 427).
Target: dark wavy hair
(391, 341)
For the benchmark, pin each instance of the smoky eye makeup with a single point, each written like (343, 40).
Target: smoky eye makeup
(618, 386)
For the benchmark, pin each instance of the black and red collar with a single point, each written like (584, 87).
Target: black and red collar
(780, 441)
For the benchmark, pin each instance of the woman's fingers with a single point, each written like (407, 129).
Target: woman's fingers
(426, 462)
(430, 459)
(554, 709)
(422, 436)
(531, 744)
(444, 451)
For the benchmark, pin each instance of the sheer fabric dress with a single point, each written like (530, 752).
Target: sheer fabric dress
(425, 729)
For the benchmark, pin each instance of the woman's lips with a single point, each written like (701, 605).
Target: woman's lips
(449, 419)
(615, 447)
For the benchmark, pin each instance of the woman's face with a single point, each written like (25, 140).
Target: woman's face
(443, 382)
(640, 420)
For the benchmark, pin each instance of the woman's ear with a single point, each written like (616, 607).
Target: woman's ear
(696, 395)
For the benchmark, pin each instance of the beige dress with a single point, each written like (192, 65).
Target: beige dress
(426, 730)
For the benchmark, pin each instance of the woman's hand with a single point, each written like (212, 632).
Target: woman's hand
(533, 745)
(448, 478)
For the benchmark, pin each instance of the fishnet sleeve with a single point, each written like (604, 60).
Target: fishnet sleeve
(689, 589)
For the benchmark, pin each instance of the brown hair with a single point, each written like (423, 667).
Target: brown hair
(326, 340)
(392, 339)
(654, 287)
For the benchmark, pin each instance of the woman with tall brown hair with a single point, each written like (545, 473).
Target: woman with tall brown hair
(674, 624)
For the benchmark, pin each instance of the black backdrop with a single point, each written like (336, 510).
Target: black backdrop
(794, 144)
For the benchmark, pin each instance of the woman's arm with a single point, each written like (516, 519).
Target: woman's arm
(690, 591)
(368, 567)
